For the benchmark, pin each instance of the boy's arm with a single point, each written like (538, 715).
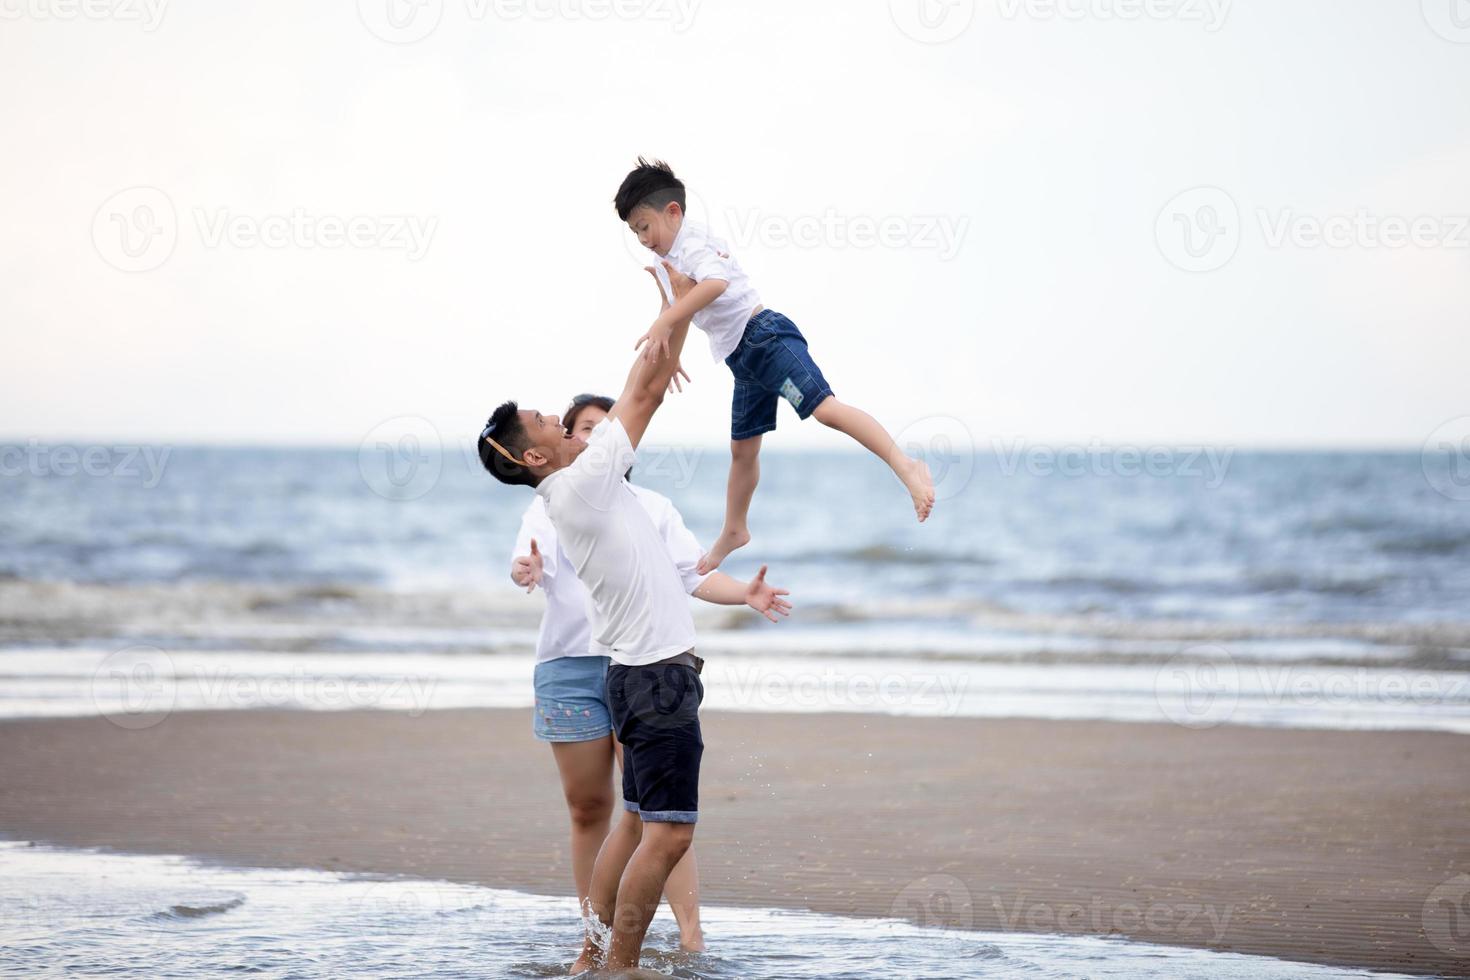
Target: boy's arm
(685, 307)
(722, 590)
(643, 392)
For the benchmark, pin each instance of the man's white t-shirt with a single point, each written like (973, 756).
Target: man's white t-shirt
(566, 626)
(640, 606)
(700, 256)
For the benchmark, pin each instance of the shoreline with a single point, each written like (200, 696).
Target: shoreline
(1313, 845)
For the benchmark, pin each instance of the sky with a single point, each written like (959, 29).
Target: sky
(1131, 222)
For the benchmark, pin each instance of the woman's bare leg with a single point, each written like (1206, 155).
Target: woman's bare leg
(586, 781)
(682, 893)
(875, 439)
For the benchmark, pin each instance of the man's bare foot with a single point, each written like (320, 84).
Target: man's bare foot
(583, 964)
(915, 476)
(693, 942)
(727, 542)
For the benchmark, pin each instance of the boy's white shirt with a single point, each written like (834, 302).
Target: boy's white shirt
(634, 559)
(701, 256)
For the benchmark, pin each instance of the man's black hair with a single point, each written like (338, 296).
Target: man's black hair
(653, 184)
(505, 428)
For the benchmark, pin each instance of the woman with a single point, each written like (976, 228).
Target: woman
(571, 706)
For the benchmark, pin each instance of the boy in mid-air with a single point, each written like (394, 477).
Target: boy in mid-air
(764, 350)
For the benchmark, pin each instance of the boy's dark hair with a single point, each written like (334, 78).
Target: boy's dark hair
(505, 428)
(653, 184)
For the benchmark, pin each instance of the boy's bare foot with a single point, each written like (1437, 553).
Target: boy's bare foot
(915, 476)
(727, 542)
(692, 943)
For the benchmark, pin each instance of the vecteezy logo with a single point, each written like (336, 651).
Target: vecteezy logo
(135, 230)
(932, 21)
(400, 21)
(945, 443)
(402, 458)
(1450, 19)
(1199, 688)
(1199, 230)
(135, 688)
(1446, 916)
(937, 901)
(1446, 459)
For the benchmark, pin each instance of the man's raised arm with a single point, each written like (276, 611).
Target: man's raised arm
(644, 391)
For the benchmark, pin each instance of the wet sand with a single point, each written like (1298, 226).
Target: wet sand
(1307, 845)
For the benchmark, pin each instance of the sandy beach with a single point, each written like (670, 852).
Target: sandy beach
(1314, 846)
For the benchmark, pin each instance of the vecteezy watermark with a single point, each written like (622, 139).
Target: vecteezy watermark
(224, 688)
(1450, 19)
(407, 233)
(944, 235)
(1209, 13)
(138, 229)
(145, 463)
(148, 14)
(946, 446)
(758, 688)
(1198, 688)
(1208, 463)
(402, 458)
(1181, 920)
(410, 21)
(935, 901)
(932, 21)
(1446, 459)
(1201, 230)
(135, 688)
(1206, 686)
(1363, 229)
(1446, 916)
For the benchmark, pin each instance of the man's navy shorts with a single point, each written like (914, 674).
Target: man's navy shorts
(655, 714)
(771, 363)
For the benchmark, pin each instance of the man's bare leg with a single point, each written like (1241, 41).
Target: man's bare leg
(682, 893)
(865, 429)
(602, 893)
(745, 473)
(643, 882)
(586, 782)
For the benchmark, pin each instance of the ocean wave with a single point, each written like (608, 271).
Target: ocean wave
(200, 908)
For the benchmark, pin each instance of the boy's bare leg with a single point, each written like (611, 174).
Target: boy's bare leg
(602, 894)
(745, 473)
(865, 429)
(682, 894)
(643, 882)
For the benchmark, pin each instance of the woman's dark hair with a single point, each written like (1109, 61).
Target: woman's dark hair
(569, 417)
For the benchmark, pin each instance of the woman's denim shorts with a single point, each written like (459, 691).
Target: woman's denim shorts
(571, 699)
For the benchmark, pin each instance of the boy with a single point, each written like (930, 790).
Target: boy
(763, 349)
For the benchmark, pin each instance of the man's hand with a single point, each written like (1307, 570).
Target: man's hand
(657, 340)
(766, 599)
(675, 383)
(526, 570)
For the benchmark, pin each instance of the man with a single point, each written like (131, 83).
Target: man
(641, 616)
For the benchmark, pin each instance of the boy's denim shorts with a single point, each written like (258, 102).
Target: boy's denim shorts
(771, 363)
(571, 699)
(655, 712)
